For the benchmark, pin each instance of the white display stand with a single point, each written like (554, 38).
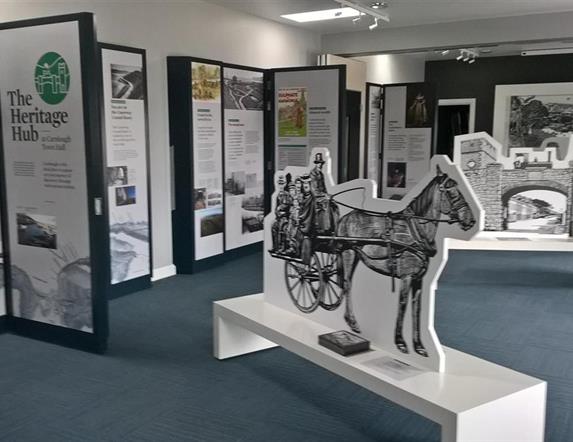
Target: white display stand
(473, 400)
(514, 241)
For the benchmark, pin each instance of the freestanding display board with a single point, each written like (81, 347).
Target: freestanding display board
(244, 133)
(127, 171)
(374, 106)
(409, 115)
(56, 258)
(308, 105)
(216, 127)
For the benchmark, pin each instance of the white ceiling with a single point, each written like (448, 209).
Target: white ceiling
(402, 12)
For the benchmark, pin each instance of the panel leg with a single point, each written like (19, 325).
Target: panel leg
(516, 418)
(230, 339)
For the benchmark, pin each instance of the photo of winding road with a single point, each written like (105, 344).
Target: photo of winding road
(243, 90)
(126, 82)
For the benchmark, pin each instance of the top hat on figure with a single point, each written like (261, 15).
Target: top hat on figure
(318, 159)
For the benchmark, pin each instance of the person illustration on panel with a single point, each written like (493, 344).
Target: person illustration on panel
(326, 210)
(418, 112)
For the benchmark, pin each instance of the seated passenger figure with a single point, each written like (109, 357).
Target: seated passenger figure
(294, 236)
(307, 218)
(282, 211)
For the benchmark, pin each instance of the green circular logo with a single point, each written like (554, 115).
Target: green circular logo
(52, 78)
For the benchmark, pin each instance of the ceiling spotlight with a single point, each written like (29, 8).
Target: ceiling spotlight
(374, 25)
(473, 60)
(466, 58)
(357, 19)
(459, 57)
(445, 52)
(379, 5)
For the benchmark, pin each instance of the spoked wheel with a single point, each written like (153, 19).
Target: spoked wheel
(304, 284)
(331, 280)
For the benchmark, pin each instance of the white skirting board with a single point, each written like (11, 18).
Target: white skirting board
(164, 272)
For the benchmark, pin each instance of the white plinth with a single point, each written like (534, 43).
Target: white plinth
(473, 400)
(514, 241)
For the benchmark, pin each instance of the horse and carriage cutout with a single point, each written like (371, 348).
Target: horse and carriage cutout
(338, 254)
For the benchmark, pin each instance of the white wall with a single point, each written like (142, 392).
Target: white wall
(355, 81)
(193, 28)
(457, 34)
(394, 68)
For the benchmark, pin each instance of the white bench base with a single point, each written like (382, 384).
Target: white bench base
(473, 400)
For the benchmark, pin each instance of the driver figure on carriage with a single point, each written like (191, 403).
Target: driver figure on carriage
(327, 213)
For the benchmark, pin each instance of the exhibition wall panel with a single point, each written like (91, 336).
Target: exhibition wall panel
(126, 137)
(373, 127)
(479, 80)
(308, 108)
(217, 123)
(57, 261)
(244, 132)
(408, 122)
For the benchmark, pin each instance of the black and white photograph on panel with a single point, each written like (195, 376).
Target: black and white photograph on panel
(36, 230)
(396, 174)
(366, 265)
(534, 118)
(127, 82)
(236, 184)
(252, 213)
(420, 102)
(117, 176)
(124, 196)
(538, 210)
(243, 89)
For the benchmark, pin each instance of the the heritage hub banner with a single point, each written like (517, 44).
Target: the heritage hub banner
(207, 160)
(373, 122)
(244, 156)
(306, 115)
(407, 137)
(45, 172)
(126, 147)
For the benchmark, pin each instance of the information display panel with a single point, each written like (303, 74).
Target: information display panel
(207, 136)
(374, 106)
(127, 180)
(244, 120)
(409, 113)
(52, 162)
(308, 112)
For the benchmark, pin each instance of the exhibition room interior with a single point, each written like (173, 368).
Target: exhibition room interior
(280, 220)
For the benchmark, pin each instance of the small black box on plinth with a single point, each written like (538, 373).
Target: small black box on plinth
(344, 343)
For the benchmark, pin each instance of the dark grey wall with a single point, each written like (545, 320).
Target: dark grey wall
(455, 79)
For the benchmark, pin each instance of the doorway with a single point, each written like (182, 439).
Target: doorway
(455, 117)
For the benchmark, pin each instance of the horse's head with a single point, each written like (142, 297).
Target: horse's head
(453, 203)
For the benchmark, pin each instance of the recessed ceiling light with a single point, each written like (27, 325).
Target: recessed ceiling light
(327, 14)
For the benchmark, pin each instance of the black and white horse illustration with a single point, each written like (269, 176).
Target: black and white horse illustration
(400, 245)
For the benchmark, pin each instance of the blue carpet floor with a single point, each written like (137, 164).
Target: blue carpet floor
(159, 382)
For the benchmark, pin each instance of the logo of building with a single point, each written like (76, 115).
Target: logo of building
(52, 78)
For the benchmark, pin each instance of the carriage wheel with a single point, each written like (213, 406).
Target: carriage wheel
(304, 284)
(331, 280)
